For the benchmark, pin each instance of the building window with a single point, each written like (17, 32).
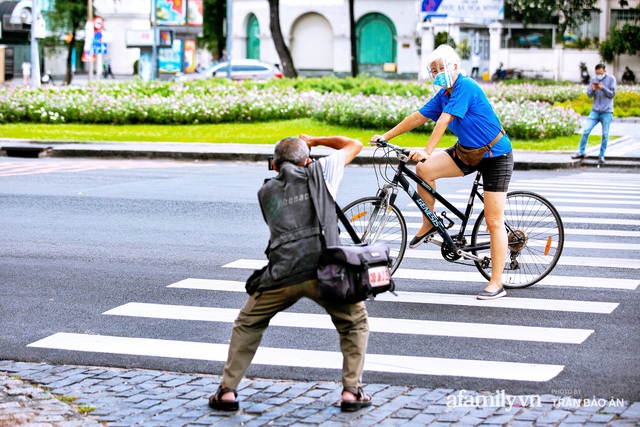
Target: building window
(624, 16)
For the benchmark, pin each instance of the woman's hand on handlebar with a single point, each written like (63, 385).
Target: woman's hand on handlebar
(419, 156)
(375, 138)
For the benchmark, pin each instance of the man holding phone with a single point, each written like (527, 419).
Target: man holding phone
(602, 89)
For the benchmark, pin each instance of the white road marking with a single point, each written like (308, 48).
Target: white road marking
(376, 324)
(458, 276)
(434, 298)
(301, 358)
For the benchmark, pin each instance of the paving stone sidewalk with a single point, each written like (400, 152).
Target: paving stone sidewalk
(32, 395)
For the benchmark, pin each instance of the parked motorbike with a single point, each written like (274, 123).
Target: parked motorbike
(502, 73)
(628, 77)
(585, 78)
(46, 78)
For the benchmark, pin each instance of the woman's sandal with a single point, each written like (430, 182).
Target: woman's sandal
(216, 403)
(362, 400)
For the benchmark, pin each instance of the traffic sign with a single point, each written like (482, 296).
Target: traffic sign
(98, 23)
(99, 48)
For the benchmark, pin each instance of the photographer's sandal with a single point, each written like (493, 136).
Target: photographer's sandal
(362, 400)
(218, 404)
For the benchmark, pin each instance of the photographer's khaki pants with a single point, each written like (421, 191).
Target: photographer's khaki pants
(350, 321)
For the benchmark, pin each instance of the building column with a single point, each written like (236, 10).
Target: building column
(495, 33)
(558, 53)
(427, 45)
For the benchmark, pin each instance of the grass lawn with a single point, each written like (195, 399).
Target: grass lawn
(245, 133)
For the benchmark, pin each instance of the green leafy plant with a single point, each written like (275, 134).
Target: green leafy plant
(65, 399)
(364, 103)
(85, 409)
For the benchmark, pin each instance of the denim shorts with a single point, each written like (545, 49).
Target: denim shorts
(496, 171)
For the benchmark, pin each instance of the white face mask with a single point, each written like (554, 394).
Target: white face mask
(600, 76)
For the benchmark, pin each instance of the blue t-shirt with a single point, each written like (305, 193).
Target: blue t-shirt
(474, 121)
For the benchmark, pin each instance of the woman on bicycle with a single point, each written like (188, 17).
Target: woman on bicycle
(462, 106)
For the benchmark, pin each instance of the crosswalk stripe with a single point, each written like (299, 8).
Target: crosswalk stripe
(376, 324)
(453, 276)
(609, 232)
(600, 221)
(589, 187)
(600, 200)
(301, 358)
(567, 232)
(458, 276)
(596, 307)
(606, 193)
(582, 209)
(581, 282)
(612, 181)
(564, 259)
(565, 219)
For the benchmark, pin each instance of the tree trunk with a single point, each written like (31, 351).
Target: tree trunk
(354, 41)
(283, 51)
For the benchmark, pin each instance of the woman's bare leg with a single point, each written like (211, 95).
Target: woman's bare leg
(494, 205)
(439, 165)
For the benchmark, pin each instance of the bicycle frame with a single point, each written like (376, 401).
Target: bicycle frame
(403, 172)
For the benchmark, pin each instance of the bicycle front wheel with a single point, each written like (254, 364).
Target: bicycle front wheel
(536, 238)
(376, 221)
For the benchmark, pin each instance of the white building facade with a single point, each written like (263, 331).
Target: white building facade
(317, 34)
(393, 37)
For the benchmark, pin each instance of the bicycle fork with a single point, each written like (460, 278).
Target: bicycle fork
(388, 195)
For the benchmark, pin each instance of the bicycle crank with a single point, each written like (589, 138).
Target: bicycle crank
(448, 252)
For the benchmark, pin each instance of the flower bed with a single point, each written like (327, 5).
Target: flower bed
(522, 116)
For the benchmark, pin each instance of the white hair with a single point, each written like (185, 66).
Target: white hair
(446, 53)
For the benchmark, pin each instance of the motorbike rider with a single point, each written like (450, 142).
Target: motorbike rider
(628, 76)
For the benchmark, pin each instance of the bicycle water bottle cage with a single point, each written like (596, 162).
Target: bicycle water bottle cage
(449, 221)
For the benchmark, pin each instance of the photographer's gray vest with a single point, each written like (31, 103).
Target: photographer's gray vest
(287, 203)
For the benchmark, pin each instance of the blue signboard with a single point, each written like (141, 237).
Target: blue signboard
(99, 48)
(430, 5)
(170, 60)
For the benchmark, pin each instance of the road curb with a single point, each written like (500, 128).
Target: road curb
(523, 159)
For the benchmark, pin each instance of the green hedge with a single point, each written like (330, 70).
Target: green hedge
(527, 111)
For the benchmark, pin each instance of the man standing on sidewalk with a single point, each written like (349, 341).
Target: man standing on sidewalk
(26, 72)
(602, 89)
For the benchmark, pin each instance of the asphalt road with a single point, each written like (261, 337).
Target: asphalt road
(82, 240)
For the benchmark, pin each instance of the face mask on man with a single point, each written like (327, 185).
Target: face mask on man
(600, 76)
(443, 79)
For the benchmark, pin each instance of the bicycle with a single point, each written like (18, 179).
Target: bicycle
(534, 227)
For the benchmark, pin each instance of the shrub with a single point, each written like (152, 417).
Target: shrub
(356, 102)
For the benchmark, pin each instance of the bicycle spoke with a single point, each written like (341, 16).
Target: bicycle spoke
(373, 223)
(536, 239)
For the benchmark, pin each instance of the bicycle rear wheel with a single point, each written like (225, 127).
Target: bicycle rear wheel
(375, 221)
(536, 239)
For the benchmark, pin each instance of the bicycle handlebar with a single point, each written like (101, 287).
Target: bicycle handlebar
(382, 143)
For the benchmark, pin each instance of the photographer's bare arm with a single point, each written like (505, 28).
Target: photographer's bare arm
(350, 146)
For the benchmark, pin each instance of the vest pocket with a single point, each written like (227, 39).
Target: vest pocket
(294, 257)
